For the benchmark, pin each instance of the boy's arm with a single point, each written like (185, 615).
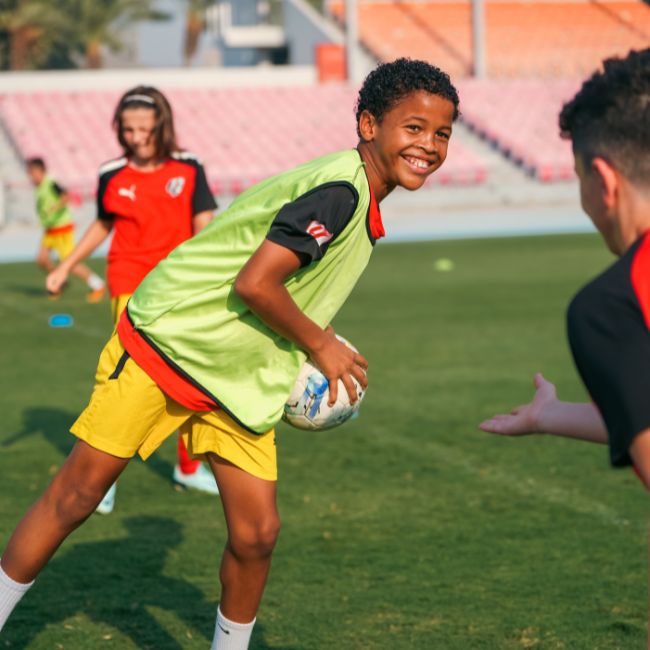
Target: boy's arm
(62, 201)
(260, 284)
(547, 414)
(640, 453)
(96, 233)
(63, 198)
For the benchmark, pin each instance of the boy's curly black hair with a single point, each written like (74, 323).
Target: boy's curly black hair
(610, 116)
(390, 82)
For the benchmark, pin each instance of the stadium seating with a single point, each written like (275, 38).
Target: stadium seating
(539, 38)
(520, 118)
(242, 134)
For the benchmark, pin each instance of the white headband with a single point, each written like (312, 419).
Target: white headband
(138, 98)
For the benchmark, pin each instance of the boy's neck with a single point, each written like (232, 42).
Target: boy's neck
(377, 184)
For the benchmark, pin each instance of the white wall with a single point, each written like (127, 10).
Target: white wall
(168, 77)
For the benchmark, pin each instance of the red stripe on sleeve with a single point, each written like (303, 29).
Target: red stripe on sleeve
(640, 277)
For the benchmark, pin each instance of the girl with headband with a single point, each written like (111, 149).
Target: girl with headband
(152, 198)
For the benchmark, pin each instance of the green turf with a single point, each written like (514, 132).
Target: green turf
(405, 529)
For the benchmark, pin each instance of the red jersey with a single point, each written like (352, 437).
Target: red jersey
(151, 213)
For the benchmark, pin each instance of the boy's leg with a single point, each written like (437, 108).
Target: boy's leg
(65, 244)
(81, 271)
(94, 282)
(67, 502)
(43, 259)
(253, 522)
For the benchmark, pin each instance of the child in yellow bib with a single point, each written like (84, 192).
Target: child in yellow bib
(52, 207)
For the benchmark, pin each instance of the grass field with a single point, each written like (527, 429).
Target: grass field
(406, 529)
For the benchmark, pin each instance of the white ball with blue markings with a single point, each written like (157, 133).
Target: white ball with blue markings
(307, 406)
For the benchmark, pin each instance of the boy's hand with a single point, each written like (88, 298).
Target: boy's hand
(527, 418)
(337, 361)
(56, 279)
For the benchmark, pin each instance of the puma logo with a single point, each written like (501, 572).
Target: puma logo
(128, 192)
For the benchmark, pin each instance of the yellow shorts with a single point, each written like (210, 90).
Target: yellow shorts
(118, 303)
(128, 413)
(62, 243)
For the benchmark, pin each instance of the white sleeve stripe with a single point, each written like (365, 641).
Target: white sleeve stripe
(185, 155)
(112, 165)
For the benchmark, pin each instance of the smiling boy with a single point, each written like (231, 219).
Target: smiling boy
(214, 337)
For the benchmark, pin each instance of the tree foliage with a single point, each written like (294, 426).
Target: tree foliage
(37, 34)
(194, 26)
(29, 33)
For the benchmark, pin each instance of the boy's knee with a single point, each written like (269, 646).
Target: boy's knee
(256, 540)
(73, 503)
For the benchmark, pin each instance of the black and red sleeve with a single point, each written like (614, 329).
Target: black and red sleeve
(609, 337)
(310, 223)
(202, 198)
(105, 178)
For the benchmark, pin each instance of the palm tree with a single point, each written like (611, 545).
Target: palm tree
(96, 24)
(31, 30)
(194, 26)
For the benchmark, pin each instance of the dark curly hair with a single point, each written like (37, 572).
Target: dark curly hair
(390, 82)
(610, 116)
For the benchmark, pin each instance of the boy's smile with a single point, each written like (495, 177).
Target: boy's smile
(409, 143)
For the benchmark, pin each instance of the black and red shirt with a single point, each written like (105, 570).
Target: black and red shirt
(151, 213)
(609, 333)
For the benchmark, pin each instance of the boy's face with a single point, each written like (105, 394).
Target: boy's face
(412, 138)
(36, 174)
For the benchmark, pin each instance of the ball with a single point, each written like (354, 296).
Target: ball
(307, 406)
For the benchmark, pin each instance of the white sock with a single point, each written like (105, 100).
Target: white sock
(229, 635)
(95, 282)
(10, 594)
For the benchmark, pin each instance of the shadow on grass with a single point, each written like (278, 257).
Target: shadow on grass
(114, 583)
(27, 289)
(54, 425)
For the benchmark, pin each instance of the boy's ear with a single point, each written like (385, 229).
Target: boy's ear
(367, 125)
(609, 180)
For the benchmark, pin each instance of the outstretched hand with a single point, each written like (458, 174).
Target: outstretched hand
(337, 361)
(56, 279)
(526, 418)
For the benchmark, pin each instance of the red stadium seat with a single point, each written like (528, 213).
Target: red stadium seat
(72, 131)
(543, 38)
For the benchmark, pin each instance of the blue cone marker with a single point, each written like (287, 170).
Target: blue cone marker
(61, 320)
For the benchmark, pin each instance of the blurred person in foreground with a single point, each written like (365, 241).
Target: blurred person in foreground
(53, 210)
(608, 321)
